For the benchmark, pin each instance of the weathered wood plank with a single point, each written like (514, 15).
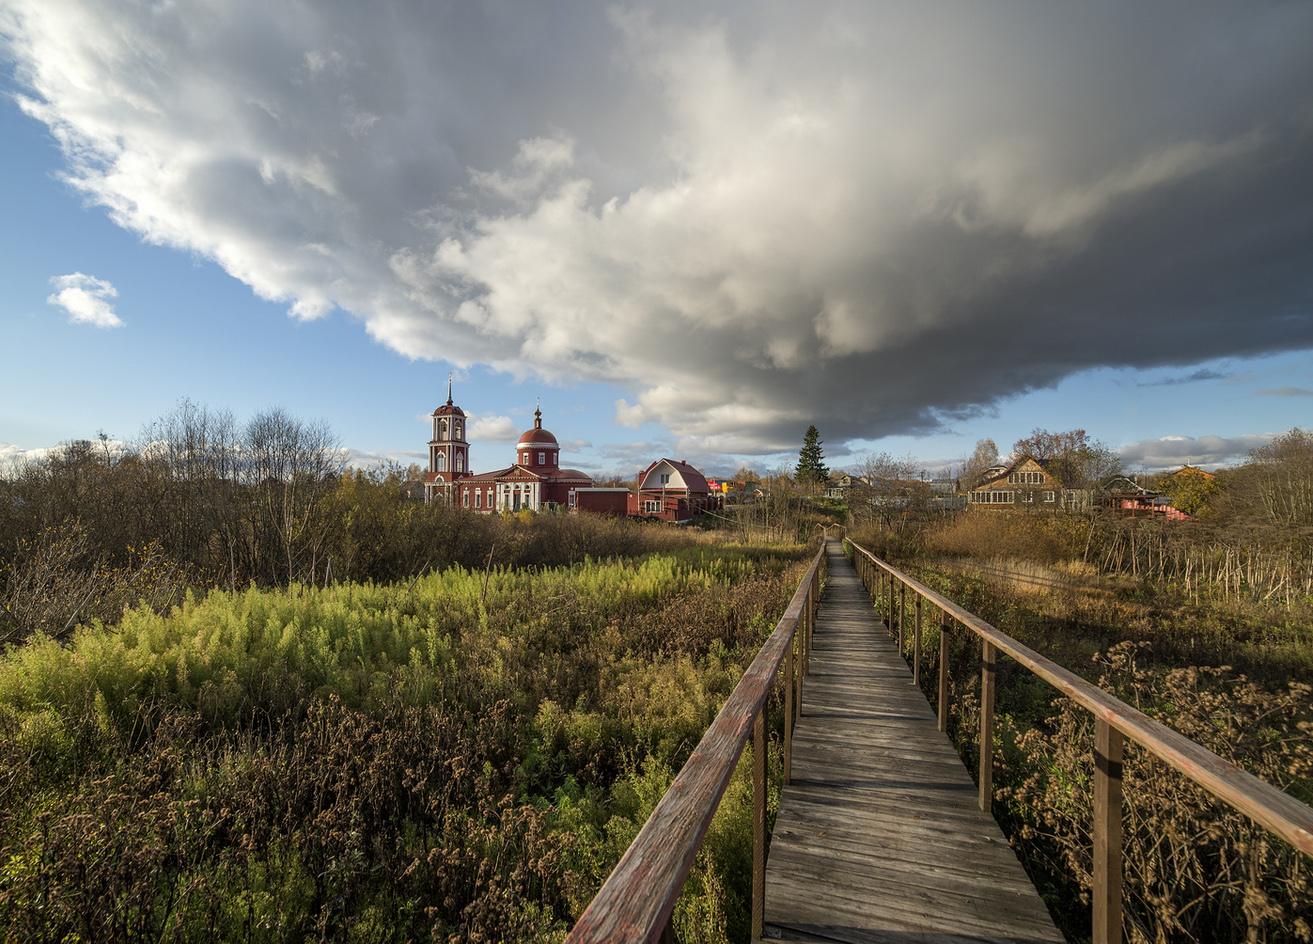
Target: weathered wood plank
(880, 836)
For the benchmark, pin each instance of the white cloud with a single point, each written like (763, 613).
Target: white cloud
(880, 215)
(86, 299)
(1172, 452)
(494, 429)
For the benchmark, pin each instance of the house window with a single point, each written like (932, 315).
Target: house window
(1026, 478)
(665, 478)
(1048, 497)
(995, 496)
(652, 507)
(478, 498)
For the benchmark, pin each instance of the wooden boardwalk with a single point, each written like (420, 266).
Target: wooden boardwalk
(879, 836)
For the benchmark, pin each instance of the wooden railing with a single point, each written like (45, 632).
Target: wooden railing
(1115, 720)
(636, 902)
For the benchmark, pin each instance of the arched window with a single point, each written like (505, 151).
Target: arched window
(460, 462)
(442, 463)
(458, 436)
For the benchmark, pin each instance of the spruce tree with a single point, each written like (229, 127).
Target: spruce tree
(811, 460)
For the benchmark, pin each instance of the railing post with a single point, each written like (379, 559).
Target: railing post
(759, 825)
(889, 609)
(788, 703)
(916, 645)
(902, 613)
(943, 672)
(988, 667)
(1107, 833)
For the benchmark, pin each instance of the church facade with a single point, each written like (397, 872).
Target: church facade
(534, 481)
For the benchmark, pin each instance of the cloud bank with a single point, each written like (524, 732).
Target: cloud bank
(879, 217)
(86, 299)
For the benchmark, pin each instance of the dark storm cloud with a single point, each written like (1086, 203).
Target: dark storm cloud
(888, 215)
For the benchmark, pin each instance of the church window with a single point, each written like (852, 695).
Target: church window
(458, 431)
(542, 458)
(442, 463)
(467, 499)
(478, 498)
(442, 429)
(460, 462)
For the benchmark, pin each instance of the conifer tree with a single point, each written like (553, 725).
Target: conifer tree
(811, 460)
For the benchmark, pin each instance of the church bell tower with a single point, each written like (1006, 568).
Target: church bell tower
(449, 452)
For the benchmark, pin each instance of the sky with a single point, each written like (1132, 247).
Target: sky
(687, 230)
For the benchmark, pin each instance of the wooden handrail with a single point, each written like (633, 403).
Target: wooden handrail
(637, 899)
(1266, 805)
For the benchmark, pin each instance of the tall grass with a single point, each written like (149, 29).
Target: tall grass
(459, 756)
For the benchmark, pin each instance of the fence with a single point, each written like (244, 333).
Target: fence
(1285, 816)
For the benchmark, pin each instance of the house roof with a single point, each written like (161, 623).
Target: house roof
(682, 475)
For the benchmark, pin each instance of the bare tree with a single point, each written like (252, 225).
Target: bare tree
(288, 465)
(982, 457)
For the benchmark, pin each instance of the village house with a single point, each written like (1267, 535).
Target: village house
(672, 491)
(1025, 484)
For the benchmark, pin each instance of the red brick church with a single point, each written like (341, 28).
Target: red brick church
(535, 481)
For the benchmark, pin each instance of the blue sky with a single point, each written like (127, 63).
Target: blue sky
(650, 238)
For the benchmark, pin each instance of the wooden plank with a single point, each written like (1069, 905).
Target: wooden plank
(879, 835)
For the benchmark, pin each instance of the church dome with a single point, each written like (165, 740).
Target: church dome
(538, 437)
(449, 408)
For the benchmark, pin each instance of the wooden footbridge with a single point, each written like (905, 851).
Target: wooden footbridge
(882, 836)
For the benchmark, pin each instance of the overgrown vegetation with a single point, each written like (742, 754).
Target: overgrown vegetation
(464, 756)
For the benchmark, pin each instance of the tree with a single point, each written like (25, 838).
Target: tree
(1072, 458)
(1277, 483)
(890, 486)
(811, 460)
(983, 457)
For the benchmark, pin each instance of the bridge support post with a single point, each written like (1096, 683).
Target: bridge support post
(759, 825)
(943, 672)
(1108, 742)
(988, 660)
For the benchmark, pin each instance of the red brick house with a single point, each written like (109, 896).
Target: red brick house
(672, 491)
